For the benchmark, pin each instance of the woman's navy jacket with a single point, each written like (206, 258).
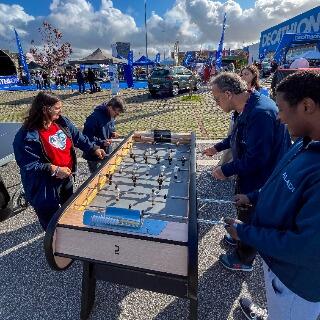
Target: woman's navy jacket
(38, 184)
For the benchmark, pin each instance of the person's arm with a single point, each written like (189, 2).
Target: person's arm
(80, 140)
(299, 246)
(258, 147)
(90, 130)
(223, 145)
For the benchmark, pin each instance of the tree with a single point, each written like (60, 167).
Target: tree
(53, 52)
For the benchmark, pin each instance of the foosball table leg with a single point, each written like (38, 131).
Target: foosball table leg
(193, 309)
(88, 290)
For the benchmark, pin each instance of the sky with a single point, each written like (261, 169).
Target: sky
(89, 24)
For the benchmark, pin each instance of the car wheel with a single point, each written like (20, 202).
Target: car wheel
(175, 90)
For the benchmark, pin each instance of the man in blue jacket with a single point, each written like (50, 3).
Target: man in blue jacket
(285, 227)
(257, 141)
(100, 128)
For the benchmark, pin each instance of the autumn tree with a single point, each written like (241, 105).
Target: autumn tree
(53, 52)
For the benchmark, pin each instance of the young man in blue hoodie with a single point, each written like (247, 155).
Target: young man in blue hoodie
(257, 141)
(100, 128)
(285, 228)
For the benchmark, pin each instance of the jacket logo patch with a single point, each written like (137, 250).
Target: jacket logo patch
(58, 140)
(289, 184)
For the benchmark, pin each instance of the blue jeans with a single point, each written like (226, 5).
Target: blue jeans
(45, 211)
(81, 87)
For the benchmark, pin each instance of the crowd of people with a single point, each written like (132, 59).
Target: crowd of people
(274, 157)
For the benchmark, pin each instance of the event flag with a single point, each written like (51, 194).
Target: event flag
(187, 58)
(128, 70)
(220, 48)
(157, 59)
(22, 58)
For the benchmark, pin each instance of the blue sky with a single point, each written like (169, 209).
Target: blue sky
(133, 7)
(194, 23)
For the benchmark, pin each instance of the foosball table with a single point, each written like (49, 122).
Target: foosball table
(134, 221)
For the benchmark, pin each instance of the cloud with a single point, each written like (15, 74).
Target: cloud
(194, 23)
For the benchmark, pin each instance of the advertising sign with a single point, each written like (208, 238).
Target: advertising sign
(7, 81)
(307, 22)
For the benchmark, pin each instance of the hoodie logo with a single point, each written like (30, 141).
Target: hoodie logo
(289, 184)
(58, 140)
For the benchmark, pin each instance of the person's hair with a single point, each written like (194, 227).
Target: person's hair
(229, 81)
(255, 72)
(116, 103)
(300, 85)
(36, 118)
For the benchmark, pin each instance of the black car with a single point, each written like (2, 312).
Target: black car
(170, 80)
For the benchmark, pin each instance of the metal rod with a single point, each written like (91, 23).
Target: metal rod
(212, 222)
(215, 200)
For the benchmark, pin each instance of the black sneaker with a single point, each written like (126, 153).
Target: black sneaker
(229, 240)
(252, 311)
(232, 262)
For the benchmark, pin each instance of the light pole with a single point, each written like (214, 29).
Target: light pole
(145, 25)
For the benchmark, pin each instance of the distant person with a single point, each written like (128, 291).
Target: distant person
(258, 140)
(286, 218)
(250, 74)
(44, 151)
(39, 80)
(274, 66)
(231, 67)
(91, 79)
(46, 81)
(80, 80)
(100, 128)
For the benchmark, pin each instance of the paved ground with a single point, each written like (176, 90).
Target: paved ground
(31, 290)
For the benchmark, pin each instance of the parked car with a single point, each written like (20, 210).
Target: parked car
(171, 80)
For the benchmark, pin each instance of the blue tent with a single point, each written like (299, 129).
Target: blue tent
(143, 61)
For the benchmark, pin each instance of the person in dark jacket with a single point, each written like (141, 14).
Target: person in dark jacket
(44, 151)
(257, 142)
(285, 224)
(92, 81)
(100, 128)
(81, 81)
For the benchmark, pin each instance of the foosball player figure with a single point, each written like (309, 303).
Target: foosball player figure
(165, 197)
(117, 189)
(183, 160)
(153, 196)
(121, 168)
(170, 158)
(131, 154)
(162, 168)
(145, 158)
(110, 179)
(158, 158)
(160, 181)
(134, 158)
(175, 171)
(130, 206)
(134, 180)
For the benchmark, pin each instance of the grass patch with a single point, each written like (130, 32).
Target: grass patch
(194, 98)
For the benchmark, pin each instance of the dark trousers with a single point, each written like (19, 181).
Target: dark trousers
(81, 87)
(245, 253)
(45, 211)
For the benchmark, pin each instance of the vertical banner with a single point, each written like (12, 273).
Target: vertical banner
(157, 59)
(187, 58)
(128, 70)
(114, 50)
(22, 58)
(220, 47)
(114, 79)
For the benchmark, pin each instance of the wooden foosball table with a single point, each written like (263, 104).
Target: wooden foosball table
(134, 221)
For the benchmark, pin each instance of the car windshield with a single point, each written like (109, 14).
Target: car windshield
(160, 73)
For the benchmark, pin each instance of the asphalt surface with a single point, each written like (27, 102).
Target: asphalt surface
(30, 290)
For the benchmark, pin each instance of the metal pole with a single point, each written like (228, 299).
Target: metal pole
(145, 26)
